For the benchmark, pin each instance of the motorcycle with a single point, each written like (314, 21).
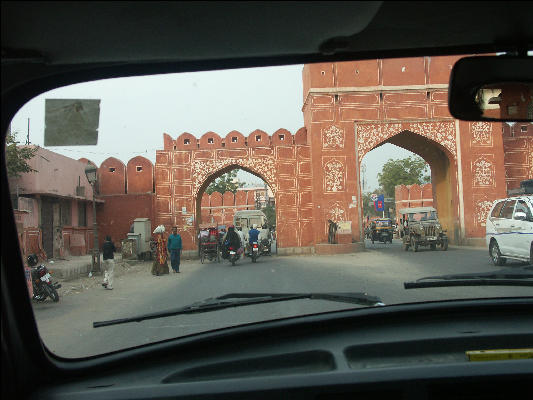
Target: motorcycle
(234, 255)
(255, 253)
(265, 249)
(41, 279)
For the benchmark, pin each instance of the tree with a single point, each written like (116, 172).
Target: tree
(406, 171)
(270, 212)
(17, 157)
(226, 183)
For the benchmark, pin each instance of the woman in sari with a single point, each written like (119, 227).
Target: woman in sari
(160, 265)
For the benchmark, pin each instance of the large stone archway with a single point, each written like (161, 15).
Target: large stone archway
(433, 140)
(352, 107)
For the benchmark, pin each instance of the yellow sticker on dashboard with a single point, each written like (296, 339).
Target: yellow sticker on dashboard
(502, 354)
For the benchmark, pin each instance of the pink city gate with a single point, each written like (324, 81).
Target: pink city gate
(351, 108)
(188, 165)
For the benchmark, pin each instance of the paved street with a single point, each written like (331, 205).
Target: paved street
(66, 327)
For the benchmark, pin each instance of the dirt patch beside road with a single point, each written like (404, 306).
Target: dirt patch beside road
(85, 282)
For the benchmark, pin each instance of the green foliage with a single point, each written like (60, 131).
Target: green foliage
(406, 171)
(17, 157)
(270, 212)
(226, 183)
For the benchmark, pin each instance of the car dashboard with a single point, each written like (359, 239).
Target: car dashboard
(349, 354)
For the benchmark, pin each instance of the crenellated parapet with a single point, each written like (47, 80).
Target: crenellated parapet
(139, 176)
(115, 177)
(235, 140)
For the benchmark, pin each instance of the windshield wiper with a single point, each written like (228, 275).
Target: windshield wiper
(504, 277)
(245, 299)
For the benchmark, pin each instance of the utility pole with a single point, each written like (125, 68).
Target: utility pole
(363, 175)
(267, 199)
(92, 176)
(96, 248)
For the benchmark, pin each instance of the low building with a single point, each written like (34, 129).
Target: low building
(263, 196)
(219, 208)
(53, 206)
(409, 196)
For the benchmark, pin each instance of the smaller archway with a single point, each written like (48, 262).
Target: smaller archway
(219, 208)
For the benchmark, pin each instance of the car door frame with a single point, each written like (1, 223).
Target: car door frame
(503, 230)
(522, 232)
(493, 223)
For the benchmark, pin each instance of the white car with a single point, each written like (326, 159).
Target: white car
(509, 230)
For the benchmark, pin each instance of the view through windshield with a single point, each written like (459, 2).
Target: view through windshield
(146, 194)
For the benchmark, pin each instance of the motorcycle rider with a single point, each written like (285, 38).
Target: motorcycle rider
(253, 236)
(231, 239)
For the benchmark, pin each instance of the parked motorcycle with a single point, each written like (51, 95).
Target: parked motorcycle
(41, 279)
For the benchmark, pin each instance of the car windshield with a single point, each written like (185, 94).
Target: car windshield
(383, 223)
(111, 180)
(256, 221)
(423, 216)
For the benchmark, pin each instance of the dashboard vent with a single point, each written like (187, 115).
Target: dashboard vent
(284, 364)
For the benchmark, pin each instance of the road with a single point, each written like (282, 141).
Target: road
(380, 270)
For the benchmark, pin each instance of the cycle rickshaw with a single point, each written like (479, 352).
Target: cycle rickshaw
(209, 243)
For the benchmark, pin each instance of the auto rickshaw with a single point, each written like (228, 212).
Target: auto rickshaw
(382, 230)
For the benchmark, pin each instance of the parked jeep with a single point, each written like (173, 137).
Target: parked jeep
(421, 227)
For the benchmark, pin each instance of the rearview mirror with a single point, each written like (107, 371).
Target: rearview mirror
(492, 88)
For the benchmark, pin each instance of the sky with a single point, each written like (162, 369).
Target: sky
(135, 112)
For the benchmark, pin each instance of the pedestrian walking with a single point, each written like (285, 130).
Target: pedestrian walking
(108, 250)
(174, 247)
(160, 264)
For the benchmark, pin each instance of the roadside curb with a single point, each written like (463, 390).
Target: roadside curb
(454, 246)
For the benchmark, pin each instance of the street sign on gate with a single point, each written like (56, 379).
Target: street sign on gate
(379, 203)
